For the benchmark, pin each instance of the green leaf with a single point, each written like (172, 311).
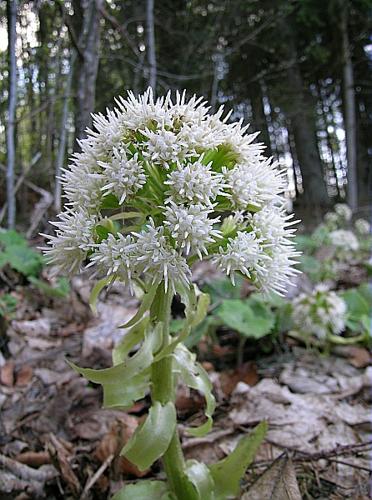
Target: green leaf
(357, 305)
(197, 333)
(147, 300)
(128, 381)
(110, 201)
(60, 290)
(11, 238)
(200, 476)
(97, 289)
(151, 440)
(203, 303)
(23, 259)
(102, 232)
(144, 490)
(253, 320)
(194, 376)
(130, 339)
(223, 289)
(8, 304)
(228, 472)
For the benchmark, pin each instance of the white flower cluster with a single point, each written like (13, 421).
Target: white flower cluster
(344, 239)
(362, 227)
(160, 183)
(319, 313)
(343, 211)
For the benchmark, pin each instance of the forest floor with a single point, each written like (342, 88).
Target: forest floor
(56, 442)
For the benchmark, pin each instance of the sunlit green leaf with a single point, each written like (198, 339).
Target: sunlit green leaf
(152, 438)
(147, 300)
(228, 472)
(97, 289)
(194, 376)
(129, 380)
(201, 477)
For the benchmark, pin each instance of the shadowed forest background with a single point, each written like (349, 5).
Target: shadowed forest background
(298, 71)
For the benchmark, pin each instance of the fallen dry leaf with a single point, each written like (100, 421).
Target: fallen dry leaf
(7, 374)
(278, 482)
(24, 375)
(357, 356)
(112, 443)
(34, 458)
(246, 373)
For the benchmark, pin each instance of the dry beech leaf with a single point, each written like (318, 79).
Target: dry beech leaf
(277, 482)
(246, 373)
(24, 375)
(112, 443)
(7, 374)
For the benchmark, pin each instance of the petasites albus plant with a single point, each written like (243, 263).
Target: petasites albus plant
(158, 185)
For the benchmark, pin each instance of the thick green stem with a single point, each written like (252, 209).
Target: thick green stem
(163, 390)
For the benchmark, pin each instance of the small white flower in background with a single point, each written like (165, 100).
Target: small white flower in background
(362, 226)
(160, 183)
(344, 240)
(344, 211)
(332, 219)
(319, 313)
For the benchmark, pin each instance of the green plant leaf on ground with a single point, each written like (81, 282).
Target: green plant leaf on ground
(253, 320)
(8, 304)
(151, 440)
(60, 290)
(223, 289)
(22, 259)
(11, 237)
(144, 490)
(357, 305)
(228, 472)
(194, 376)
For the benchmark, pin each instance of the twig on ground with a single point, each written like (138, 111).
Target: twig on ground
(96, 476)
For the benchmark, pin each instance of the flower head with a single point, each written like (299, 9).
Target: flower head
(319, 313)
(121, 176)
(343, 239)
(161, 182)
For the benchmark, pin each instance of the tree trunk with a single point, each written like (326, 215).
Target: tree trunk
(301, 115)
(151, 49)
(259, 116)
(350, 114)
(63, 134)
(86, 69)
(12, 34)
